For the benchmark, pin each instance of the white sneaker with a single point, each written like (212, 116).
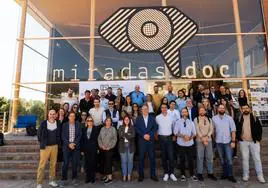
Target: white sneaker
(53, 184)
(261, 179)
(173, 177)
(39, 186)
(245, 178)
(165, 178)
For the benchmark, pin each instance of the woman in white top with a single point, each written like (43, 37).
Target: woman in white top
(149, 101)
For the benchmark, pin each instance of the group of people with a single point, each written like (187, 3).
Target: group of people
(92, 133)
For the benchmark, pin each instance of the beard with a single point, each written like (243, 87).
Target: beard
(246, 113)
(221, 113)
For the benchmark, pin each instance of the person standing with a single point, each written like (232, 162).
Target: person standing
(170, 95)
(126, 134)
(70, 99)
(49, 139)
(165, 124)
(149, 102)
(110, 96)
(146, 127)
(225, 133)
(192, 111)
(204, 129)
(128, 106)
(107, 140)
(157, 98)
(96, 113)
(249, 134)
(137, 96)
(103, 100)
(174, 113)
(120, 99)
(85, 104)
(112, 113)
(181, 100)
(71, 137)
(185, 131)
(242, 98)
(89, 148)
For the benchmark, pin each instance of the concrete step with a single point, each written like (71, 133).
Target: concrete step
(19, 148)
(20, 156)
(22, 142)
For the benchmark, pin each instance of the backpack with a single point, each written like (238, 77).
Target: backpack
(31, 130)
(1, 139)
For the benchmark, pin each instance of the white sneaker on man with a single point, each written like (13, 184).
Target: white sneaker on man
(261, 179)
(39, 186)
(245, 178)
(53, 184)
(173, 177)
(166, 176)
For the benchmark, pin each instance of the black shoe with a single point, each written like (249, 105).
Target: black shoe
(212, 177)
(223, 177)
(108, 181)
(231, 178)
(140, 179)
(154, 178)
(200, 177)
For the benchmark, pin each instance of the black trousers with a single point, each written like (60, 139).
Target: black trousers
(107, 161)
(90, 165)
(186, 151)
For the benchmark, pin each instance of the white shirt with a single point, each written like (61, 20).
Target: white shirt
(70, 100)
(104, 103)
(126, 130)
(96, 114)
(164, 124)
(175, 115)
(146, 120)
(114, 119)
(51, 126)
(188, 130)
(150, 105)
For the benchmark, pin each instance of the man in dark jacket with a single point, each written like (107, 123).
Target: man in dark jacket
(249, 134)
(71, 136)
(86, 103)
(49, 138)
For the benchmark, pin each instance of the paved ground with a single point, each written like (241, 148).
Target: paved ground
(146, 184)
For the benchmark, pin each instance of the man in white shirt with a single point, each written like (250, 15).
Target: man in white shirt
(70, 99)
(103, 100)
(96, 113)
(173, 112)
(165, 124)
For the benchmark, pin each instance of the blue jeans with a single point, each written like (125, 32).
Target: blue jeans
(127, 162)
(204, 151)
(73, 156)
(166, 146)
(226, 153)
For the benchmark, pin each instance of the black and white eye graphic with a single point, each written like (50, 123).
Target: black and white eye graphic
(150, 29)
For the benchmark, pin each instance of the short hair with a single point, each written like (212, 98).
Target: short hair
(172, 101)
(163, 104)
(96, 99)
(52, 109)
(145, 104)
(72, 112)
(87, 91)
(110, 88)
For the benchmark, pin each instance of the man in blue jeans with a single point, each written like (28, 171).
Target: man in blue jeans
(71, 136)
(225, 132)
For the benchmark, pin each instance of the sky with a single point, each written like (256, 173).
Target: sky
(34, 66)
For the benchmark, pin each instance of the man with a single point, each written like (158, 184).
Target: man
(103, 100)
(49, 138)
(192, 110)
(94, 95)
(173, 112)
(86, 104)
(213, 96)
(96, 113)
(146, 127)
(71, 136)
(70, 99)
(137, 96)
(112, 113)
(199, 94)
(157, 98)
(110, 96)
(249, 134)
(225, 131)
(170, 95)
(204, 130)
(165, 124)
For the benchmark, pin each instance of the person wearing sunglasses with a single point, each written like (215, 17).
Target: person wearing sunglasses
(112, 113)
(89, 148)
(204, 129)
(75, 109)
(185, 131)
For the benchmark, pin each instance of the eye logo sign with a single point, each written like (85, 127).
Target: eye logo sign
(150, 29)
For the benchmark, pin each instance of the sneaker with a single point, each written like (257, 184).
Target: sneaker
(53, 184)
(212, 177)
(108, 181)
(173, 177)
(245, 178)
(74, 182)
(183, 178)
(104, 178)
(232, 179)
(200, 177)
(63, 183)
(39, 186)
(165, 178)
(194, 178)
(261, 179)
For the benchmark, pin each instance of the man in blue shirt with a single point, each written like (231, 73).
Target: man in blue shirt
(137, 96)
(170, 95)
(225, 132)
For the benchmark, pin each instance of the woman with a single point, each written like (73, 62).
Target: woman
(242, 98)
(185, 132)
(107, 140)
(149, 102)
(61, 116)
(191, 95)
(228, 94)
(181, 100)
(121, 118)
(135, 112)
(75, 110)
(82, 121)
(128, 105)
(207, 106)
(65, 106)
(61, 119)
(126, 147)
(89, 148)
(120, 99)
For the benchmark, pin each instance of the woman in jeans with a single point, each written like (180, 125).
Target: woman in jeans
(107, 140)
(126, 147)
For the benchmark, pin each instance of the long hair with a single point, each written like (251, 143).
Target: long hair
(130, 122)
